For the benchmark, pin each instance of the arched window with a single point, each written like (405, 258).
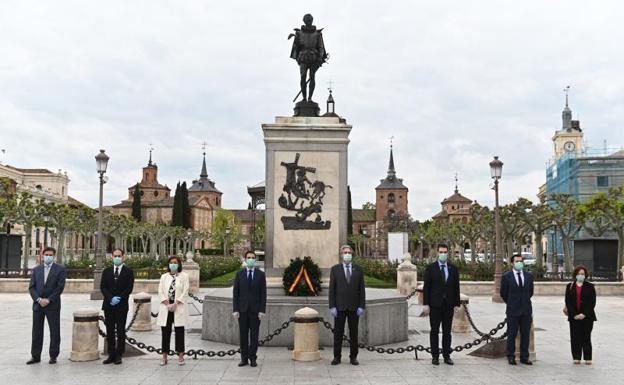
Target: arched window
(391, 198)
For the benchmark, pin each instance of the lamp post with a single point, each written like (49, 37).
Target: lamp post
(496, 170)
(422, 240)
(555, 258)
(225, 243)
(101, 161)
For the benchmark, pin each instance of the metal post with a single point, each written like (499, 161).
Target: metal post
(96, 294)
(498, 262)
(555, 256)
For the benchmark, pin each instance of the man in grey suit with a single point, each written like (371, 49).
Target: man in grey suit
(47, 282)
(347, 301)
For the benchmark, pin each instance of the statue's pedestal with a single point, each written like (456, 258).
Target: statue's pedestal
(306, 190)
(305, 108)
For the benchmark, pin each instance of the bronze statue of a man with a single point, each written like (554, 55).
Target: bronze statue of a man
(309, 52)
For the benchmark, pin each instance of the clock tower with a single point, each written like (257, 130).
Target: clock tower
(570, 138)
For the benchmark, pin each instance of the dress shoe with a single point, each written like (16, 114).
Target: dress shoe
(109, 360)
(253, 363)
(512, 361)
(335, 361)
(448, 361)
(52, 360)
(242, 363)
(435, 361)
(527, 362)
(354, 361)
(118, 360)
(33, 361)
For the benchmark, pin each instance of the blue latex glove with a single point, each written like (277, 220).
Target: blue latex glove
(334, 312)
(115, 301)
(360, 312)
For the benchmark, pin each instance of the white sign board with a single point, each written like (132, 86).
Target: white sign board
(397, 246)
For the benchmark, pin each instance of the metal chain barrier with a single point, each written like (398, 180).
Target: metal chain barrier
(197, 352)
(487, 337)
(479, 332)
(136, 311)
(195, 298)
(413, 293)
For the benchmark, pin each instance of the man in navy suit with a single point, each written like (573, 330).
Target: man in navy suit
(249, 306)
(517, 290)
(47, 282)
(440, 299)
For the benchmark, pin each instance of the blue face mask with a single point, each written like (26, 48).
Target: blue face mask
(48, 259)
(117, 261)
(443, 257)
(173, 267)
(519, 265)
(580, 277)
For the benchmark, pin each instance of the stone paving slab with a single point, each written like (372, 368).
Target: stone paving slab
(553, 365)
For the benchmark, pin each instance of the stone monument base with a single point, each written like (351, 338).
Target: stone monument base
(384, 322)
(305, 108)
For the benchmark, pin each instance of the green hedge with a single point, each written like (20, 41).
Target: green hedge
(214, 266)
(210, 251)
(131, 262)
(378, 268)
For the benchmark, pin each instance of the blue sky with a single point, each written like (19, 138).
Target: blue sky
(454, 82)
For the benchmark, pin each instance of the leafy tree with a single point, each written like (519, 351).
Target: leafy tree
(185, 207)
(28, 213)
(537, 218)
(176, 215)
(566, 220)
(223, 219)
(63, 218)
(609, 208)
(136, 203)
(369, 206)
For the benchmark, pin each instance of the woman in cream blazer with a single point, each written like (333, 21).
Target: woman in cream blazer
(172, 310)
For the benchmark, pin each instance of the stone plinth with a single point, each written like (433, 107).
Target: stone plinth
(384, 322)
(421, 296)
(460, 319)
(85, 335)
(306, 335)
(532, 354)
(143, 322)
(406, 276)
(309, 152)
(191, 268)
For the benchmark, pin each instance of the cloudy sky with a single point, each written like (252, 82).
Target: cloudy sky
(455, 82)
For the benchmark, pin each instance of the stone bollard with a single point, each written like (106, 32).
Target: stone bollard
(306, 335)
(460, 319)
(191, 268)
(406, 275)
(85, 335)
(531, 344)
(143, 322)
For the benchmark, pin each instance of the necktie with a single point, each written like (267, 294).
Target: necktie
(443, 270)
(348, 273)
(520, 281)
(46, 272)
(116, 272)
(249, 276)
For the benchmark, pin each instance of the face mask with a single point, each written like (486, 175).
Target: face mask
(117, 261)
(519, 265)
(347, 258)
(580, 277)
(442, 257)
(173, 267)
(48, 259)
(250, 262)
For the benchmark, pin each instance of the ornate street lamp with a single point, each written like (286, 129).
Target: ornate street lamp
(496, 171)
(225, 243)
(101, 161)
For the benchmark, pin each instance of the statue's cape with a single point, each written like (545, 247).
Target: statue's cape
(294, 52)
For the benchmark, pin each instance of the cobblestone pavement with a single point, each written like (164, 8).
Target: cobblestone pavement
(553, 365)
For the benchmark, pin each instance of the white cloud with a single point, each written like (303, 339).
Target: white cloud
(454, 82)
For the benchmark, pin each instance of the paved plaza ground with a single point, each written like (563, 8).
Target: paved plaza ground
(553, 365)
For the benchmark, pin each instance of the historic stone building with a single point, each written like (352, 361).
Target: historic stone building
(390, 194)
(157, 202)
(455, 208)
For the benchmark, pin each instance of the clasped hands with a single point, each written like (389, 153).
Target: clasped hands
(43, 302)
(334, 312)
(578, 317)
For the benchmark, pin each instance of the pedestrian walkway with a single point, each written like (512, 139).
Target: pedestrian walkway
(553, 364)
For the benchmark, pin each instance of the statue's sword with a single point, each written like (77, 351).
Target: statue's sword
(299, 93)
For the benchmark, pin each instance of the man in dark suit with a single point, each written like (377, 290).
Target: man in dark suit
(249, 304)
(47, 282)
(440, 300)
(347, 301)
(517, 290)
(116, 286)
